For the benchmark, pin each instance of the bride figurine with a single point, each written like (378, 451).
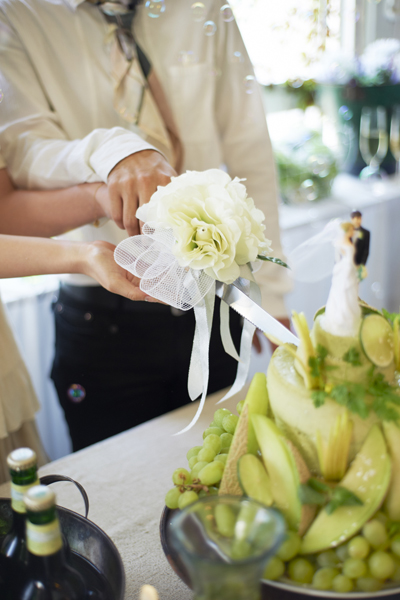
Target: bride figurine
(343, 314)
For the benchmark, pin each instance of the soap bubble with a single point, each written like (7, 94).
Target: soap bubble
(186, 57)
(237, 57)
(1, 95)
(345, 112)
(155, 8)
(249, 84)
(226, 13)
(308, 190)
(209, 28)
(198, 11)
(319, 165)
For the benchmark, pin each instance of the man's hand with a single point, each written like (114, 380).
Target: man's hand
(132, 182)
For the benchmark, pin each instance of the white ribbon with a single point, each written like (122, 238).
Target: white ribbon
(150, 257)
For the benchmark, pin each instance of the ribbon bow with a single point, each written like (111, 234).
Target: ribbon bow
(150, 257)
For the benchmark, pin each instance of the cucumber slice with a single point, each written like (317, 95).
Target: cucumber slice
(376, 338)
(254, 479)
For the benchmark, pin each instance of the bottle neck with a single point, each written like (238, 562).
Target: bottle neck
(43, 533)
(21, 482)
(46, 566)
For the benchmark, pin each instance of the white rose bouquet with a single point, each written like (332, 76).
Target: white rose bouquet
(216, 226)
(200, 228)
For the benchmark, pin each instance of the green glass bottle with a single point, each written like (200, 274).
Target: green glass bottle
(23, 471)
(48, 575)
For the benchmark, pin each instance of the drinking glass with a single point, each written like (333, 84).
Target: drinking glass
(395, 136)
(373, 139)
(225, 543)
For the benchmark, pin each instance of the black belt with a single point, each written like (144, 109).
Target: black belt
(98, 297)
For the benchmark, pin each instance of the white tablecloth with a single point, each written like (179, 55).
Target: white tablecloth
(126, 478)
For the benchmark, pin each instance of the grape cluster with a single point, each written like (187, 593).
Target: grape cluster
(364, 563)
(206, 462)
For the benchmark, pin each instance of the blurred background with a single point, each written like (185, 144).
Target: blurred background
(329, 72)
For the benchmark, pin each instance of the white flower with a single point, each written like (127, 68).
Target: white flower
(216, 226)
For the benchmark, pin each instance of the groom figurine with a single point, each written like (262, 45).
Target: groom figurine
(361, 239)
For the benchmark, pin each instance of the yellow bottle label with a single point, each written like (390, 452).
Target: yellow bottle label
(17, 495)
(43, 540)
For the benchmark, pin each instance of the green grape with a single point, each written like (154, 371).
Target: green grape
(193, 452)
(212, 441)
(239, 408)
(358, 547)
(213, 424)
(342, 584)
(213, 491)
(213, 431)
(193, 461)
(290, 546)
(197, 468)
(187, 498)
(221, 458)
(342, 552)
(381, 565)
(211, 473)
(369, 584)
(301, 570)
(275, 568)
(395, 545)
(375, 533)
(181, 477)
(229, 423)
(225, 520)
(208, 454)
(240, 550)
(226, 440)
(396, 575)
(172, 497)
(323, 578)
(354, 568)
(219, 416)
(328, 558)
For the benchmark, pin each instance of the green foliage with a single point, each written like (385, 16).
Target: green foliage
(352, 356)
(273, 259)
(317, 492)
(376, 394)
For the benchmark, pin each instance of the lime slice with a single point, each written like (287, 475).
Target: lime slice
(254, 480)
(376, 337)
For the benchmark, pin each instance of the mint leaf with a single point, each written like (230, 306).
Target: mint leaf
(352, 356)
(317, 485)
(309, 496)
(318, 397)
(322, 352)
(273, 259)
(342, 497)
(314, 365)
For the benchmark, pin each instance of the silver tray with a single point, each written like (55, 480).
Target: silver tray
(270, 590)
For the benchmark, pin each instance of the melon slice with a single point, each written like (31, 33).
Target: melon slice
(368, 478)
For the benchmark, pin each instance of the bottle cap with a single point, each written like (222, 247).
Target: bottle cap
(21, 459)
(39, 497)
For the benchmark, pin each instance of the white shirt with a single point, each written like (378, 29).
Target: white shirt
(58, 126)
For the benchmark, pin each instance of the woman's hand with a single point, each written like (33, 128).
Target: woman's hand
(99, 263)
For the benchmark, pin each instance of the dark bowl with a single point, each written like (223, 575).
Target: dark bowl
(86, 540)
(270, 590)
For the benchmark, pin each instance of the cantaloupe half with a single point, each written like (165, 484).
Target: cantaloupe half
(244, 439)
(392, 502)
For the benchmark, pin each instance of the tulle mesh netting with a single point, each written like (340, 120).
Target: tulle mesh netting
(150, 257)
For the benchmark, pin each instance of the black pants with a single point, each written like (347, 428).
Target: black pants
(115, 368)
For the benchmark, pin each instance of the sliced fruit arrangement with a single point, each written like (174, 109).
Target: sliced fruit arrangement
(344, 530)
